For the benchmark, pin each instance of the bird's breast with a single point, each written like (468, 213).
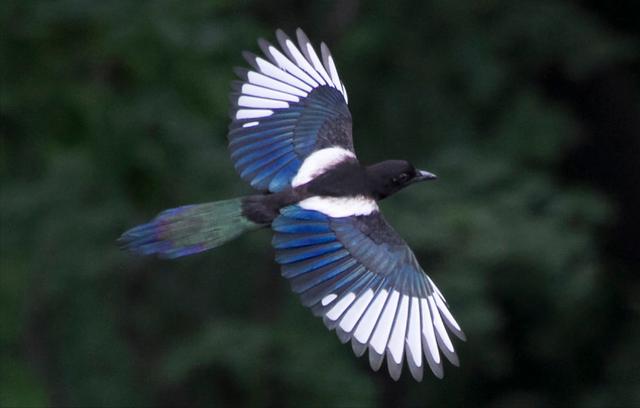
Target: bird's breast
(338, 207)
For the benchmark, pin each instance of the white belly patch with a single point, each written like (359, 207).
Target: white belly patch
(337, 207)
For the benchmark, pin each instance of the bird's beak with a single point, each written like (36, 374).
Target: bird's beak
(424, 176)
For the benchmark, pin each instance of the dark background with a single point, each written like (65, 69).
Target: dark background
(527, 110)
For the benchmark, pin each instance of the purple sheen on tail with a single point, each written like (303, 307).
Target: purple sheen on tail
(155, 237)
(188, 229)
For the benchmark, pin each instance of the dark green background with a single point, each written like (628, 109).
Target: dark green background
(527, 110)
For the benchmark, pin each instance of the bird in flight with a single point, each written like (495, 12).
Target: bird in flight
(290, 139)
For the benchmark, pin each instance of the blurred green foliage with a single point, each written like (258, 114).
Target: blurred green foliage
(113, 111)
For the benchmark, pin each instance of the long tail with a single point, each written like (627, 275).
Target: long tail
(189, 229)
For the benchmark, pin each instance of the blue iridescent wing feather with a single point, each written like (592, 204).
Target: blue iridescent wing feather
(362, 278)
(291, 104)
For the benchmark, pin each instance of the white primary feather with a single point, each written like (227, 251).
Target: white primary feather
(446, 313)
(253, 102)
(413, 332)
(253, 113)
(368, 322)
(337, 310)
(344, 92)
(433, 286)
(286, 64)
(329, 65)
(318, 65)
(334, 72)
(312, 57)
(396, 342)
(254, 90)
(328, 299)
(302, 61)
(437, 322)
(356, 310)
(271, 70)
(383, 328)
(428, 331)
(440, 302)
(257, 78)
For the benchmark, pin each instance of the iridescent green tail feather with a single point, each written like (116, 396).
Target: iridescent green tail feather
(189, 229)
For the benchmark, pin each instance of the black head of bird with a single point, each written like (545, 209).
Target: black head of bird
(290, 139)
(390, 176)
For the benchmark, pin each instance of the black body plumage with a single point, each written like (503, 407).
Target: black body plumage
(346, 179)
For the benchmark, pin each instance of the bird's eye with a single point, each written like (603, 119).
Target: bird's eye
(402, 178)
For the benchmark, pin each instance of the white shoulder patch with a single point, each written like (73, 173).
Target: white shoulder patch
(318, 162)
(337, 207)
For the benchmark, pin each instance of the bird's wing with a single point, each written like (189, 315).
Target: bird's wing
(291, 104)
(362, 278)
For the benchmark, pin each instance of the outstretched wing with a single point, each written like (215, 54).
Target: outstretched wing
(290, 105)
(362, 278)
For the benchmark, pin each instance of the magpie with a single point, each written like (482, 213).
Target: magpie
(290, 139)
